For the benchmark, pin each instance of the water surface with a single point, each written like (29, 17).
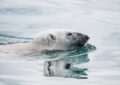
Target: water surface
(97, 18)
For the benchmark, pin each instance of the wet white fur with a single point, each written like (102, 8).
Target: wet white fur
(41, 41)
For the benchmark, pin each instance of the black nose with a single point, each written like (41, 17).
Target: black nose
(86, 37)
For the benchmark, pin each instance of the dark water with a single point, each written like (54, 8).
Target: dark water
(21, 19)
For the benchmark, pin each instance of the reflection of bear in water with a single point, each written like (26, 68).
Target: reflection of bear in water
(64, 67)
(48, 40)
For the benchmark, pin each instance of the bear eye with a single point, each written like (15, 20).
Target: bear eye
(52, 37)
(69, 34)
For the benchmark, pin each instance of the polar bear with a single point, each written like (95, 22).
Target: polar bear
(48, 40)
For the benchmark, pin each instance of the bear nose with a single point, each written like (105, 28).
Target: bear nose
(86, 37)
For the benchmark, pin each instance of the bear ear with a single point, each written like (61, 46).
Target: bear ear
(52, 37)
